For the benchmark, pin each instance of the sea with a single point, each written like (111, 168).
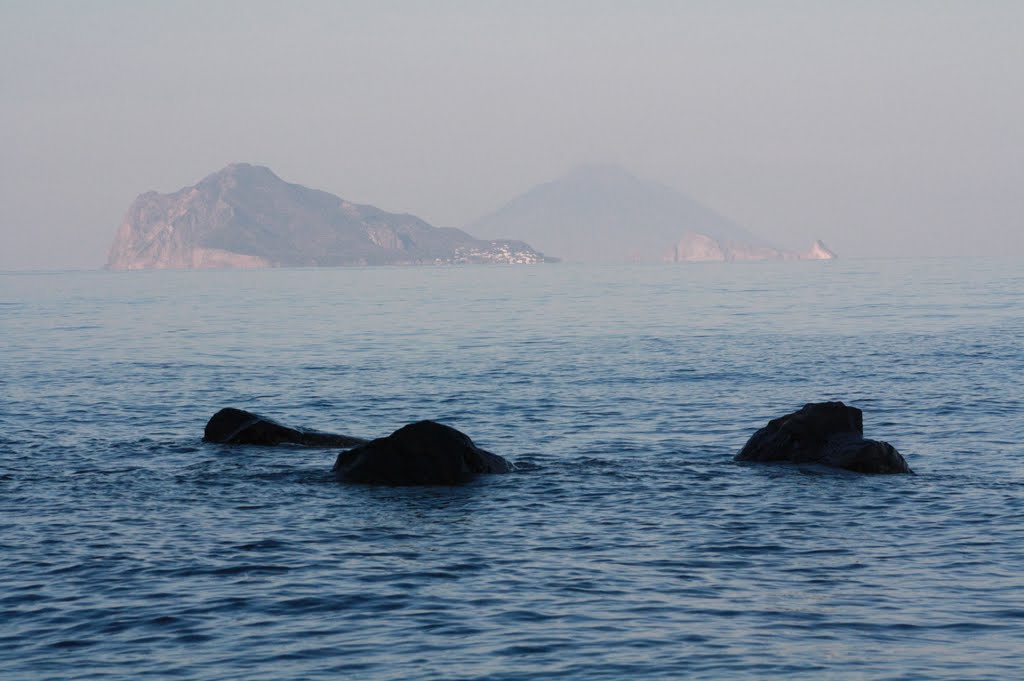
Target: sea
(628, 545)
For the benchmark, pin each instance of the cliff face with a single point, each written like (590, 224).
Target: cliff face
(246, 216)
(695, 247)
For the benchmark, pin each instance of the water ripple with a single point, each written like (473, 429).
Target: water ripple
(628, 545)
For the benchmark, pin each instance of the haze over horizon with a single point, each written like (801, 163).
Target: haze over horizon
(884, 129)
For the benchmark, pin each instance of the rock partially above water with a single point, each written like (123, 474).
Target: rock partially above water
(422, 453)
(239, 427)
(819, 251)
(826, 433)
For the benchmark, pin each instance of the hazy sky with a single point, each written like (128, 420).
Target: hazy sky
(884, 128)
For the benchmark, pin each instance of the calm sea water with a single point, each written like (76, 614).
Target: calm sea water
(630, 545)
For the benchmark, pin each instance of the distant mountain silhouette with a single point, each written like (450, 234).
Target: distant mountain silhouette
(246, 216)
(603, 213)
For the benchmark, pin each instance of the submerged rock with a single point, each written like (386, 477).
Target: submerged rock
(826, 433)
(422, 453)
(239, 427)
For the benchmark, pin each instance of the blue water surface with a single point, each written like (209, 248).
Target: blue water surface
(630, 545)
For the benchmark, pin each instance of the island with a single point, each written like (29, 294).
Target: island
(602, 213)
(245, 216)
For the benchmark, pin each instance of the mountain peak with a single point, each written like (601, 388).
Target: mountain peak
(245, 172)
(243, 167)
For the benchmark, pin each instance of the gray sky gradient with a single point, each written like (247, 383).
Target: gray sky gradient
(884, 128)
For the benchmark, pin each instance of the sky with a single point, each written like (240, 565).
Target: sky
(885, 128)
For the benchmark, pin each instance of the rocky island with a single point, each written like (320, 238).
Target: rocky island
(246, 216)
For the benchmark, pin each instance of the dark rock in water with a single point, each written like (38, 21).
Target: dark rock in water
(827, 433)
(422, 453)
(238, 427)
